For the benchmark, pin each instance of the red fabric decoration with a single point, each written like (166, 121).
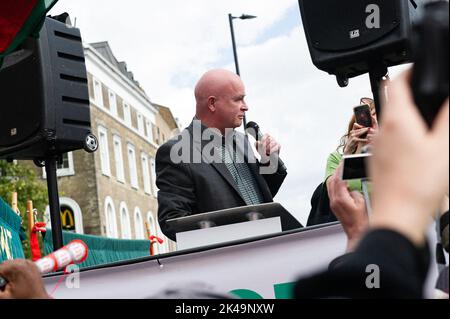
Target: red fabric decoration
(13, 15)
(34, 243)
(154, 240)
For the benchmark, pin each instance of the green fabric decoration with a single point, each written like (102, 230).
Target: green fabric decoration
(103, 250)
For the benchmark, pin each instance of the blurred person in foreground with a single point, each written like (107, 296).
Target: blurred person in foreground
(409, 170)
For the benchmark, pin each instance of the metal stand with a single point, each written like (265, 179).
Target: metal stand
(53, 198)
(376, 74)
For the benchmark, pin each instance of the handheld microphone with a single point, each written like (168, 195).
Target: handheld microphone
(73, 253)
(253, 129)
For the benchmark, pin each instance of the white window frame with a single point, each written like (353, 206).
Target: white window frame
(153, 176)
(98, 92)
(127, 113)
(125, 223)
(146, 173)
(118, 157)
(61, 172)
(104, 151)
(111, 225)
(112, 103)
(131, 153)
(141, 121)
(148, 124)
(139, 230)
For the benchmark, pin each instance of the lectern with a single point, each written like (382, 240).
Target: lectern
(231, 224)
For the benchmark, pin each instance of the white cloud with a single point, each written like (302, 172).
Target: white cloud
(169, 44)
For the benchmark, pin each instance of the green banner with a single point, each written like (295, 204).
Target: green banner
(10, 244)
(103, 250)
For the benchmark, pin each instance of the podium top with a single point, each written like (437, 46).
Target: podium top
(234, 216)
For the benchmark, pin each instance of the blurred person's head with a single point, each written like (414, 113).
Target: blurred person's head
(220, 100)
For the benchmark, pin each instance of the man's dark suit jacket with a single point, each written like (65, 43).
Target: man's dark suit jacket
(190, 187)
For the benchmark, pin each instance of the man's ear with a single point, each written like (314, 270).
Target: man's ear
(212, 103)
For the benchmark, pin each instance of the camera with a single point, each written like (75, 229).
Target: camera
(355, 166)
(429, 47)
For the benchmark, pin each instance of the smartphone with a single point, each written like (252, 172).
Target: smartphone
(355, 166)
(363, 116)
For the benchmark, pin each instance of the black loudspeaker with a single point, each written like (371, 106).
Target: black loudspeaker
(348, 38)
(44, 99)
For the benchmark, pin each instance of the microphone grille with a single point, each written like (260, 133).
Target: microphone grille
(253, 129)
(252, 125)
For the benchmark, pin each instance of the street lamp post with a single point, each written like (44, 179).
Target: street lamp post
(233, 40)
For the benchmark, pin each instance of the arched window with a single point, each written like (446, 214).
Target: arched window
(111, 221)
(125, 221)
(71, 215)
(138, 224)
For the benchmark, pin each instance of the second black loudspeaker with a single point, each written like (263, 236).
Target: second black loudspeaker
(347, 38)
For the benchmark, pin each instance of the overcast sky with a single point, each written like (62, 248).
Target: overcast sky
(169, 44)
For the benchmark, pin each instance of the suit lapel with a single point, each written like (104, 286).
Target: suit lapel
(221, 168)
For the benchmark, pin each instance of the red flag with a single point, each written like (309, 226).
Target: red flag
(13, 15)
(18, 19)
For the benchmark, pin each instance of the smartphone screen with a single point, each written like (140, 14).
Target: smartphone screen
(363, 115)
(355, 166)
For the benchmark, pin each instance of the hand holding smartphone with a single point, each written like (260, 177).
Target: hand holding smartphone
(363, 116)
(355, 166)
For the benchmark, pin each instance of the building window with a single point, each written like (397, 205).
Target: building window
(104, 151)
(158, 136)
(153, 176)
(118, 157)
(71, 216)
(125, 221)
(66, 168)
(148, 126)
(141, 124)
(132, 166)
(111, 221)
(98, 93)
(138, 224)
(113, 103)
(146, 173)
(127, 114)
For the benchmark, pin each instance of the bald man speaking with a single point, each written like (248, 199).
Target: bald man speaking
(210, 166)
